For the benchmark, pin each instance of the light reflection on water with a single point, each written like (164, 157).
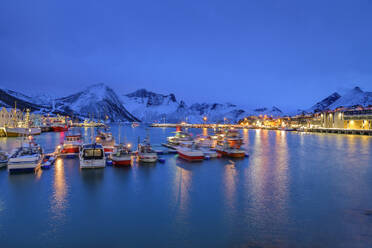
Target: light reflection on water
(181, 187)
(60, 189)
(295, 190)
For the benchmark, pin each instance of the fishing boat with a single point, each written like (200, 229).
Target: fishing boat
(59, 127)
(234, 138)
(20, 128)
(229, 151)
(92, 156)
(26, 158)
(3, 158)
(180, 136)
(21, 131)
(204, 141)
(106, 140)
(122, 155)
(188, 151)
(70, 146)
(145, 153)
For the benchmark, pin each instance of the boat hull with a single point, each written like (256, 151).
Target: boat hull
(70, 151)
(118, 161)
(148, 158)
(191, 156)
(19, 131)
(24, 166)
(92, 164)
(108, 149)
(59, 129)
(231, 154)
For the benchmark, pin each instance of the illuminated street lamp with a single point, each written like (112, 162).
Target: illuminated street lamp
(205, 119)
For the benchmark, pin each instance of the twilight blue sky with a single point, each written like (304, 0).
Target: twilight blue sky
(278, 52)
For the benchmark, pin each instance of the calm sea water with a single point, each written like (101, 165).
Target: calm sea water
(295, 190)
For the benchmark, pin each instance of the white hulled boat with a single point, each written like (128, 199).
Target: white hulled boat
(21, 131)
(204, 141)
(92, 156)
(26, 158)
(145, 153)
(179, 137)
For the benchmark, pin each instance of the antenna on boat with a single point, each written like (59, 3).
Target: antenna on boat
(119, 133)
(91, 136)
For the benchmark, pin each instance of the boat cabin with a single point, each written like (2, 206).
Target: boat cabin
(92, 152)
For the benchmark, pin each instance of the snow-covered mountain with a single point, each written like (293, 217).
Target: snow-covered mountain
(351, 98)
(98, 101)
(149, 106)
(10, 98)
(325, 103)
(153, 107)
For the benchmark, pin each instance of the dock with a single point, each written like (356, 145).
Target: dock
(367, 132)
(188, 125)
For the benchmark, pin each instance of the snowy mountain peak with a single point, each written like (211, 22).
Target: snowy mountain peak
(357, 89)
(141, 93)
(97, 100)
(325, 103)
(275, 109)
(98, 91)
(353, 97)
(150, 98)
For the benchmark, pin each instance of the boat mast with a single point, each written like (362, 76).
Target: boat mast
(119, 133)
(14, 114)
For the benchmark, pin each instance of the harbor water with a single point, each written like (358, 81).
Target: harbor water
(295, 190)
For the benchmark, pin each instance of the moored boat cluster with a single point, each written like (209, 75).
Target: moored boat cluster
(225, 142)
(103, 150)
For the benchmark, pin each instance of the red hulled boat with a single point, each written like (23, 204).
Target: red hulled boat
(187, 151)
(71, 145)
(122, 156)
(230, 151)
(59, 127)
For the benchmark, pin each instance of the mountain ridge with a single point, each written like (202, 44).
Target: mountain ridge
(101, 101)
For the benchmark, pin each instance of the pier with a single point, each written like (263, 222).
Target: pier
(340, 131)
(188, 125)
(367, 132)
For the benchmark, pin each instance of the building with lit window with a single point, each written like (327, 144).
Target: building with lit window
(359, 118)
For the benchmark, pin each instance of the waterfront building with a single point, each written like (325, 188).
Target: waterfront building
(357, 118)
